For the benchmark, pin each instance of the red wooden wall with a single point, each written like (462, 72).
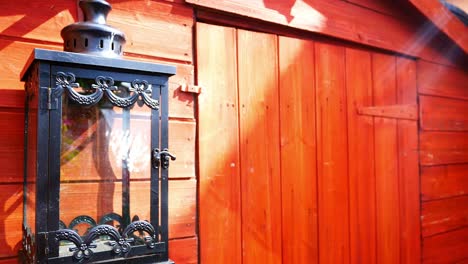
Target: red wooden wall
(158, 31)
(443, 98)
(339, 155)
(289, 171)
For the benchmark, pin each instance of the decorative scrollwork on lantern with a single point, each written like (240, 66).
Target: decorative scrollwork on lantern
(66, 81)
(104, 85)
(82, 250)
(145, 227)
(142, 88)
(120, 242)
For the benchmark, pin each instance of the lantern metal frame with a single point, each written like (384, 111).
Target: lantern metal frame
(48, 75)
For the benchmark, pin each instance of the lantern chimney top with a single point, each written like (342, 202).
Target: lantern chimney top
(93, 35)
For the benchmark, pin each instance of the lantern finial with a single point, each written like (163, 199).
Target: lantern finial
(93, 35)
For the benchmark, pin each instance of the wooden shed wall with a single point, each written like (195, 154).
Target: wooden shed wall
(157, 31)
(443, 222)
(443, 99)
(301, 176)
(162, 31)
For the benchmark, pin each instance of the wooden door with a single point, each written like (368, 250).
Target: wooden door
(307, 151)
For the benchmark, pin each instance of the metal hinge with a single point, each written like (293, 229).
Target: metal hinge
(190, 88)
(43, 243)
(51, 99)
(408, 112)
(161, 158)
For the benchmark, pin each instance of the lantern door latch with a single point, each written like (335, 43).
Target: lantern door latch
(162, 158)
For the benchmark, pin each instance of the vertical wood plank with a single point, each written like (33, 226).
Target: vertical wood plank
(298, 151)
(332, 154)
(259, 142)
(219, 197)
(386, 162)
(361, 158)
(408, 169)
(184, 250)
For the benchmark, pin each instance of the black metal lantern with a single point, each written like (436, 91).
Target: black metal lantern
(96, 151)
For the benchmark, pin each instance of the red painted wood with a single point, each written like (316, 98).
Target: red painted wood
(444, 215)
(382, 6)
(218, 146)
(362, 191)
(22, 19)
(139, 20)
(443, 114)
(407, 34)
(447, 247)
(259, 141)
(184, 250)
(386, 161)
(332, 154)
(439, 148)
(11, 145)
(298, 151)
(10, 260)
(444, 181)
(14, 64)
(408, 169)
(182, 142)
(434, 79)
(12, 99)
(155, 28)
(11, 217)
(399, 111)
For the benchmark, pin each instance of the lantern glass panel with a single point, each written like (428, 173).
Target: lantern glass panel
(105, 165)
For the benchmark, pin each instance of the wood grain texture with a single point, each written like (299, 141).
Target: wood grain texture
(410, 35)
(444, 215)
(184, 250)
(182, 144)
(448, 247)
(362, 191)
(219, 164)
(139, 20)
(298, 151)
(408, 168)
(23, 20)
(12, 100)
(386, 161)
(445, 181)
(443, 114)
(10, 72)
(439, 80)
(259, 141)
(437, 148)
(11, 217)
(155, 28)
(332, 154)
(400, 111)
(382, 6)
(11, 146)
